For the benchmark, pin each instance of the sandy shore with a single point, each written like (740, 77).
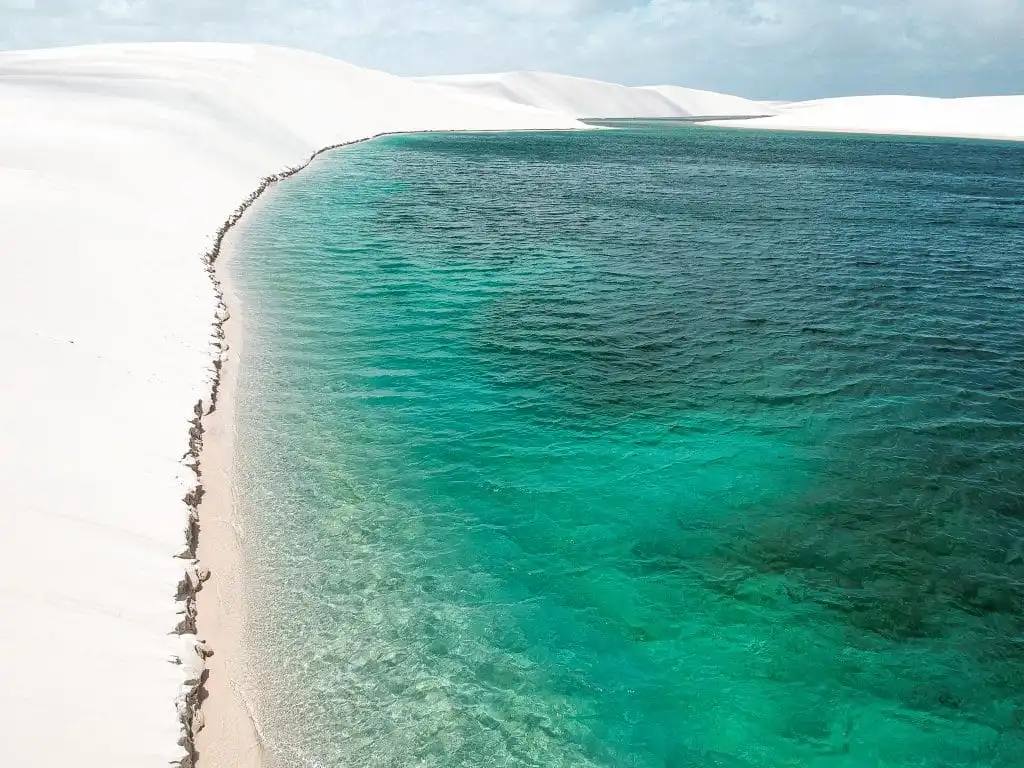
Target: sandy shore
(228, 733)
(230, 737)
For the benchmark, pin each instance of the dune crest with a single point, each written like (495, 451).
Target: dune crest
(584, 98)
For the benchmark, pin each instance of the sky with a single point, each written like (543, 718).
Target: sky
(756, 48)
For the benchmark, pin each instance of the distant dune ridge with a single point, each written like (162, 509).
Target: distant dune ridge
(580, 97)
(995, 117)
(118, 165)
(983, 117)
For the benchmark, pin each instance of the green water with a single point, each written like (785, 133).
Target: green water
(663, 447)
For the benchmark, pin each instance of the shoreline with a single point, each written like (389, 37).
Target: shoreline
(222, 728)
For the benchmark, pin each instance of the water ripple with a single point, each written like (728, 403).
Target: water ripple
(659, 448)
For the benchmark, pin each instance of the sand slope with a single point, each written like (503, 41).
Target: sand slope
(117, 166)
(991, 117)
(697, 103)
(581, 97)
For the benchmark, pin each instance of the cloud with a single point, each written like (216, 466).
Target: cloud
(766, 48)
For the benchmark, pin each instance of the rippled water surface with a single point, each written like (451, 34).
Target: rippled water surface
(649, 448)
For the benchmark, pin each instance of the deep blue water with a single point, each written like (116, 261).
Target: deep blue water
(660, 448)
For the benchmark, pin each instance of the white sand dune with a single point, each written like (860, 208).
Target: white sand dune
(998, 117)
(118, 164)
(985, 117)
(697, 103)
(580, 97)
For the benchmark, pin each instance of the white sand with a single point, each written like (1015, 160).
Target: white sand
(117, 166)
(995, 117)
(580, 97)
(697, 103)
(985, 117)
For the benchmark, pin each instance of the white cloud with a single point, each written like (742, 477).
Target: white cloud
(785, 48)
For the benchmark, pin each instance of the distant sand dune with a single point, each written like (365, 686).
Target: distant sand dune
(698, 103)
(986, 117)
(996, 117)
(580, 97)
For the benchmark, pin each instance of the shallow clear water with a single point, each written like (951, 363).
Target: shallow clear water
(666, 447)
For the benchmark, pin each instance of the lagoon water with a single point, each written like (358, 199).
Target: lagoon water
(667, 447)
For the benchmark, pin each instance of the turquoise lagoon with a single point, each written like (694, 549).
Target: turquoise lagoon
(666, 447)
